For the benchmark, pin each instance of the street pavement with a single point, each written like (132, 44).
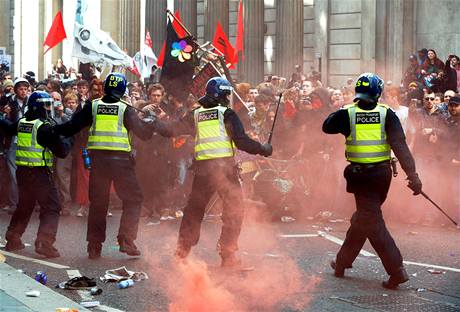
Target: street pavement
(285, 268)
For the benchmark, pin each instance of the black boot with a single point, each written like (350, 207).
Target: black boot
(230, 261)
(339, 271)
(46, 249)
(182, 252)
(396, 279)
(13, 242)
(94, 250)
(128, 247)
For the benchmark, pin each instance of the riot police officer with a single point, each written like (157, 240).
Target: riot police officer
(111, 123)
(372, 130)
(37, 142)
(218, 132)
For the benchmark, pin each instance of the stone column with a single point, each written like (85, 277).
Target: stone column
(155, 22)
(187, 11)
(130, 23)
(57, 6)
(215, 11)
(251, 69)
(289, 36)
(381, 34)
(408, 30)
(395, 54)
(321, 38)
(109, 24)
(368, 32)
(41, 38)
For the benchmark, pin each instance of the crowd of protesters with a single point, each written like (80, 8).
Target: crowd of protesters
(299, 181)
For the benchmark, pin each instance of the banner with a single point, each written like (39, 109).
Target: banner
(92, 45)
(178, 65)
(145, 59)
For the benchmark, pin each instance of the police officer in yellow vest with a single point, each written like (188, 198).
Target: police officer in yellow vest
(37, 142)
(111, 123)
(372, 130)
(218, 133)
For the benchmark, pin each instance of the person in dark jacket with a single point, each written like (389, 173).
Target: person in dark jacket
(450, 74)
(15, 109)
(37, 142)
(372, 130)
(218, 132)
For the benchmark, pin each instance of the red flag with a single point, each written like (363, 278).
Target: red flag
(240, 33)
(181, 33)
(56, 33)
(148, 40)
(221, 43)
(133, 69)
(161, 57)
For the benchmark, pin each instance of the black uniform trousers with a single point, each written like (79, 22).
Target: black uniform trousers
(370, 185)
(221, 176)
(35, 184)
(120, 171)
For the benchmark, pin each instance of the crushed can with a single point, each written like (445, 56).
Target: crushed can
(41, 277)
(95, 291)
(125, 284)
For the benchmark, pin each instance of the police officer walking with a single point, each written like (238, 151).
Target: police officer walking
(36, 144)
(218, 132)
(111, 123)
(372, 130)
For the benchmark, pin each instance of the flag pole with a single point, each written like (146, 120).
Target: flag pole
(222, 62)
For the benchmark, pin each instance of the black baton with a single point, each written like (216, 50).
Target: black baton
(431, 201)
(274, 119)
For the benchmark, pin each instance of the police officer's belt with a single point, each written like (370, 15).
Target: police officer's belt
(373, 165)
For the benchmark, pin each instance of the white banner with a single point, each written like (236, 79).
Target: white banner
(95, 46)
(92, 45)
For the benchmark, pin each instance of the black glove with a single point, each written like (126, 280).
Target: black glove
(415, 184)
(266, 149)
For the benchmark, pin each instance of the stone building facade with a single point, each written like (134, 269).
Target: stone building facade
(339, 38)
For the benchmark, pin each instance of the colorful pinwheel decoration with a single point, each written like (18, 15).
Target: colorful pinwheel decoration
(182, 51)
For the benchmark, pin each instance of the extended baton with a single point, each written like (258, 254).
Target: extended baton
(274, 119)
(431, 201)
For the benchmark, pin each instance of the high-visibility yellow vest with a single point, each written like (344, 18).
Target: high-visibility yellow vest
(108, 131)
(29, 153)
(367, 142)
(212, 140)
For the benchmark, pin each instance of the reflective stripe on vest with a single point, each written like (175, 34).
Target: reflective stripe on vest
(211, 140)
(367, 142)
(29, 153)
(108, 131)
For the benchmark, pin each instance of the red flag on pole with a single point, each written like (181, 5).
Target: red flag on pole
(133, 69)
(221, 43)
(240, 33)
(56, 33)
(161, 57)
(181, 33)
(148, 40)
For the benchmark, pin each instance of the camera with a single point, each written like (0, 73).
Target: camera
(305, 100)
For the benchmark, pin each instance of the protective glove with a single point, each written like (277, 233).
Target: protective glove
(267, 150)
(415, 184)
